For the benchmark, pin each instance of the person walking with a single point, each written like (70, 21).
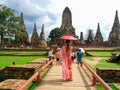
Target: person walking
(66, 61)
(57, 56)
(73, 56)
(79, 57)
(50, 54)
(66, 51)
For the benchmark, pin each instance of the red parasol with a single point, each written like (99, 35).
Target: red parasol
(68, 37)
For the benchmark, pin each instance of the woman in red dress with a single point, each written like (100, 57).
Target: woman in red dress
(66, 61)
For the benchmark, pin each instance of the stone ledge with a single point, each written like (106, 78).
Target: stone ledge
(11, 84)
(110, 75)
(39, 61)
(19, 71)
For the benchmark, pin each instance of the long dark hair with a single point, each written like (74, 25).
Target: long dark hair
(68, 46)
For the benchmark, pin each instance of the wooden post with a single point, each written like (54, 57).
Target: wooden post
(38, 78)
(94, 80)
(51, 62)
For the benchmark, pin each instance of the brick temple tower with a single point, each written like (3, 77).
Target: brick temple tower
(35, 37)
(42, 41)
(81, 39)
(98, 37)
(114, 36)
(23, 39)
(66, 26)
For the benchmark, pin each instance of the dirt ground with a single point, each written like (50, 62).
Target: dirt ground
(94, 61)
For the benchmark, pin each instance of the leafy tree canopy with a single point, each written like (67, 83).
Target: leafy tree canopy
(55, 33)
(8, 22)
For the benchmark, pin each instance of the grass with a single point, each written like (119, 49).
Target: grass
(19, 60)
(23, 52)
(101, 53)
(89, 58)
(100, 87)
(32, 85)
(7, 60)
(103, 63)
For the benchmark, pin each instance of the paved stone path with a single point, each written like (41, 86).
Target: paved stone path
(53, 80)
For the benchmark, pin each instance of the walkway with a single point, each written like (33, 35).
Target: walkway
(53, 80)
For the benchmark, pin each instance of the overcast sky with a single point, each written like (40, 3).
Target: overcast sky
(85, 14)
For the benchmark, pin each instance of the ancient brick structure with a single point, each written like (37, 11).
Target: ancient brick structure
(98, 39)
(23, 39)
(109, 75)
(114, 36)
(81, 39)
(66, 26)
(11, 84)
(22, 71)
(35, 37)
(42, 41)
(90, 38)
(36, 41)
(13, 76)
(39, 42)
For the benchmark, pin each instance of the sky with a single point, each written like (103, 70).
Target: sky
(86, 14)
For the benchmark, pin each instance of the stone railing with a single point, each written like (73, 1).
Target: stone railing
(109, 75)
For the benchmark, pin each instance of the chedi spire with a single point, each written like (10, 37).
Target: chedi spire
(98, 37)
(66, 26)
(42, 41)
(81, 38)
(114, 36)
(35, 37)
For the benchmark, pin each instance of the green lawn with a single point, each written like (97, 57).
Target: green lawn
(8, 60)
(19, 60)
(100, 87)
(101, 53)
(103, 63)
(23, 52)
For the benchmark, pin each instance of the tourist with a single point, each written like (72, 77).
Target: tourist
(79, 57)
(66, 51)
(73, 56)
(66, 61)
(50, 54)
(82, 50)
(57, 56)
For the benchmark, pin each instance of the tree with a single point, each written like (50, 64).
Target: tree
(8, 22)
(55, 35)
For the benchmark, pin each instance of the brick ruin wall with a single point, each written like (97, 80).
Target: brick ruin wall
(109, 75)
(21, 71)
(17, 74)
